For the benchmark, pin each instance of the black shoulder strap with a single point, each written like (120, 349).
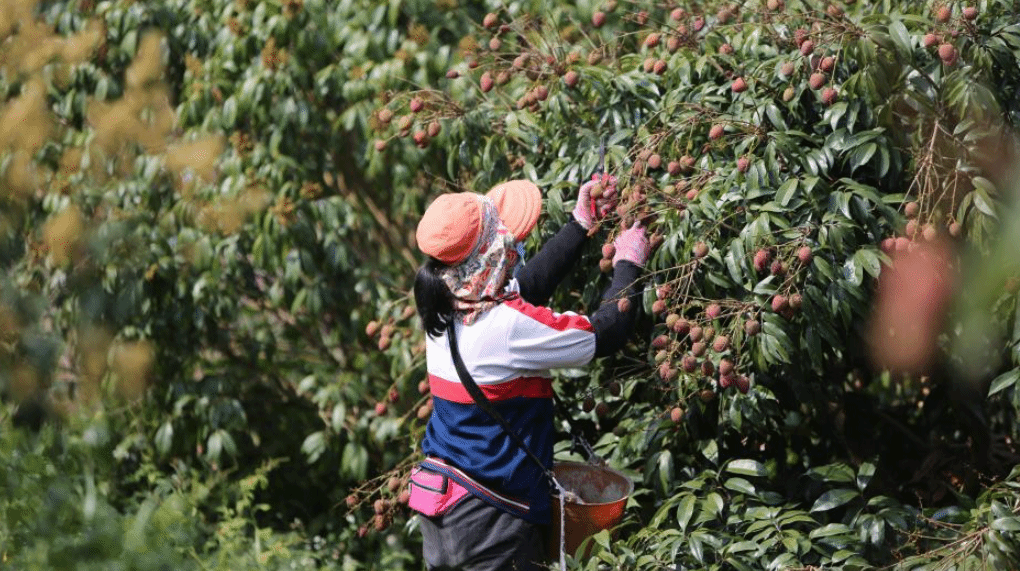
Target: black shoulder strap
(484, 402)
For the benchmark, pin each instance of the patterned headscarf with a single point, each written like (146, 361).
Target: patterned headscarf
(479, 282)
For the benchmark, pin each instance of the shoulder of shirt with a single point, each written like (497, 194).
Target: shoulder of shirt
(559, 321)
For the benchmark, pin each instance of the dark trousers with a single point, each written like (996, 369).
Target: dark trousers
(474, 536)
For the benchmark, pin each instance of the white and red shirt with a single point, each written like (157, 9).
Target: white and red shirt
(509, 352)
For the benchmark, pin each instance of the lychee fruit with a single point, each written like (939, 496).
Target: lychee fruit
(786, 70)
(970, 12)
(682, 327)
(495, 44)
(721, 343)
(777, 268)
(571, 78)
(779, 303)
(943, 14)
(490, 20)
(726, 49)
(716, 131)
(911, 228)
(666, 372)
(725, 366)
(416, 105)
(827, 64)
(828, 95)
(608, 251)
(673, 168)
(707, 368)
(804, 254)
(671, 320)
(713, 310)
(743, 384)
(706, 395)
(955, 229)
(486, 83)
(673, 44)
(654, 161)
(761, 259)
(739, 85)
(947, 53)
(912, 209)
(623, 305)
(696, 333)
(598, 19)
(929, 233)
(372, 328)
(659, 67)
(752, 327)
(676, 415)
(743, 163)
(700, 250)
(588, 404)
(806, 47)
(434, 128)
(698, 349)
(930, 40)
(652, 40)
(817, 80)
(602, 410)
(658, 306)
(796, 300)
(380, 408)
(615, 388)
(788, 94)
(606, 265)
(689, 363)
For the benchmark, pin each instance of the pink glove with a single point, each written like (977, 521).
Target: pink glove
(632, 245)
(590, 210)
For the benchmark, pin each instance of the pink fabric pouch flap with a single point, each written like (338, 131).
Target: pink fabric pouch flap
(433, 494)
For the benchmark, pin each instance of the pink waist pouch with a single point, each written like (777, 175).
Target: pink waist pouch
(432, 493)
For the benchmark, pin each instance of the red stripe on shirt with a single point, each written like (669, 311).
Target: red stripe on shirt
(546, 316)
(531, 387)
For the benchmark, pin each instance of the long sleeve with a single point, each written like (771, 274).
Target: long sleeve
(539, 277)
(611, 325)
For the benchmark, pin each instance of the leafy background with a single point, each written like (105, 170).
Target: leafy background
(209, 357)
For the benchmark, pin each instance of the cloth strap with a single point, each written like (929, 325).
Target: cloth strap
(483, 401)
(476, 393)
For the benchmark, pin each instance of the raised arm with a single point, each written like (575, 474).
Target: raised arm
(538, 279)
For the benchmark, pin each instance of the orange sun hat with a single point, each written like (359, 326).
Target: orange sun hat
(519, 203)
(452, 224)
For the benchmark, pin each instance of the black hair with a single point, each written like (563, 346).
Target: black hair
(433, 298)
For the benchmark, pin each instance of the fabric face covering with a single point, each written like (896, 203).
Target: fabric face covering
(479, 282)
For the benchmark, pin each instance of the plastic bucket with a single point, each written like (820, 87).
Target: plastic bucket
(603, 494)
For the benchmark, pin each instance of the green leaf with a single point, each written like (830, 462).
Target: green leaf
(165, 437)
(747, 468)
(833, 499)
(786, 192)
(1004, 381)
(685, 511)
(740, 485)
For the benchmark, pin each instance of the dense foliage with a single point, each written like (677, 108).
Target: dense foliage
(208, 351)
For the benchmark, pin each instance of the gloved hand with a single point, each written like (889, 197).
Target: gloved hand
(589, 209)
(632, 245)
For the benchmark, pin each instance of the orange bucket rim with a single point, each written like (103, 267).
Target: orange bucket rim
(585, 465)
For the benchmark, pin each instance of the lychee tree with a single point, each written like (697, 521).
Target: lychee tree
(785, 154)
